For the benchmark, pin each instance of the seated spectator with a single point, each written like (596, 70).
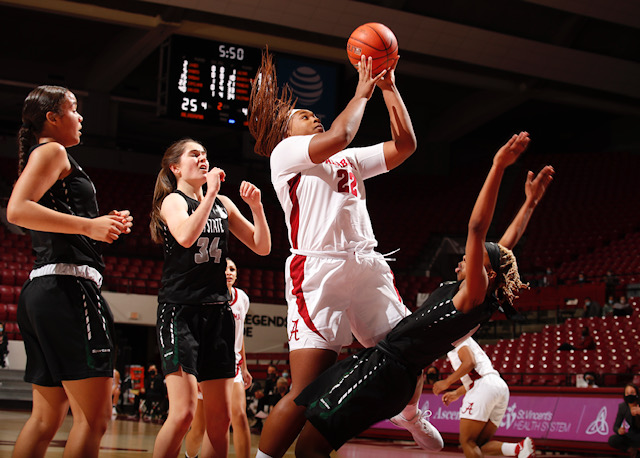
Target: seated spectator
(586, 342)
(622, 307)
(548, 278)
(266, 402)
(626, 427)
(610, 283)
(607, 308)
(581, 278)
(282, 388)
(155, 394)
(432, 375)
(586, 380)
(591, 308)
(270, 380)
(286, 376)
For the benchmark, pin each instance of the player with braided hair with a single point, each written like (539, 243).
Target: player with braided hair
(376, 383)
(320, 185)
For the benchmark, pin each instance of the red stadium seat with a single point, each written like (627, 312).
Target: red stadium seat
(7, 277)
(7, 294)
(11, 312)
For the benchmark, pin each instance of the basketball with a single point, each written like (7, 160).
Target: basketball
(374, 40)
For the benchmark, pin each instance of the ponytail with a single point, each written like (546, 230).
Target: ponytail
(166, 183)
(38, 103)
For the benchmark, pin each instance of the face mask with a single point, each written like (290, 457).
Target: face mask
(152, 373)
(285, 374)
(631, 398)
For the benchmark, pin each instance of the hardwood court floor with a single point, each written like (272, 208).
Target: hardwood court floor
(133, 439)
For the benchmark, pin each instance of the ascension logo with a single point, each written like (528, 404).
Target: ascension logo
(306, 85)
(599, 425)
(510, 416)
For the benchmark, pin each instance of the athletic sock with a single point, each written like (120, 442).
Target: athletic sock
(509, 449)
(261, 454)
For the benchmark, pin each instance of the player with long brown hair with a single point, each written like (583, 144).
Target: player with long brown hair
(196, 328)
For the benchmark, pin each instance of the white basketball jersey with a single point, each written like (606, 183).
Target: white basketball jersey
(483, 363)
(239, 306)
(325, 204)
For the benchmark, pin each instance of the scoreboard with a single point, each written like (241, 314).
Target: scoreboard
(205, 81)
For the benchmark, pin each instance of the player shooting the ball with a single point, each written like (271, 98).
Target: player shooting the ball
(336, 284)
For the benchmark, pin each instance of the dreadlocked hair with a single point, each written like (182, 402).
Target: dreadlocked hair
(268, 112)
(509, 283)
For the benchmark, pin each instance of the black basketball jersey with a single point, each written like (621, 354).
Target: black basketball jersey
(196, 275)
(428, 333)
(73, 195)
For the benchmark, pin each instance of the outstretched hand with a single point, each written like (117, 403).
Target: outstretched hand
(512, 150)
(366, 81)
(534, 188)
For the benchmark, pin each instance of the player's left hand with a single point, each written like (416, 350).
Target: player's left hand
(534, 188)
(449, 397)
(127, 219)
(250, 193)
(389, 80)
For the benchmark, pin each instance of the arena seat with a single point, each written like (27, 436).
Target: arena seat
(7, 277)
(11, 311)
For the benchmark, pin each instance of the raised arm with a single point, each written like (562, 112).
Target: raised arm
(256, 235)
(187, 228)
(346, 125)
(534, 189)
(476, 281)
(403, 143)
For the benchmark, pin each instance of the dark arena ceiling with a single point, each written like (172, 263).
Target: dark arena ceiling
(471, 71)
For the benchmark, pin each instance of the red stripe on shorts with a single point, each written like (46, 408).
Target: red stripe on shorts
(394, 285)
(297, 277)
(294, 219)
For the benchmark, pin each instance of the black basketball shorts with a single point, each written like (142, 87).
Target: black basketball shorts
(198, 338)
(67, 328)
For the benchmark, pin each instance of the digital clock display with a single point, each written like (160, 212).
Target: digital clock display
(205, 81)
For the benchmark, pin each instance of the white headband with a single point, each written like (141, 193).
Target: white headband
(292, 112)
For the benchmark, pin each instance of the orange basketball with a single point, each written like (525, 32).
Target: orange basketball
(374, 40)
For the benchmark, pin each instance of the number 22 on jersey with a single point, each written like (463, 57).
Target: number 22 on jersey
(347, 182)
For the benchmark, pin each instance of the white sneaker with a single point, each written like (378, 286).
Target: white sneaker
(424, 433)
(525, 448)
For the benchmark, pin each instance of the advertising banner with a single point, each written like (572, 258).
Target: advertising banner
(560, 417)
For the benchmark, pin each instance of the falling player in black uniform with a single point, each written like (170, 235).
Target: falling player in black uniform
(195, 327)
(376, 383)
(65, 322)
